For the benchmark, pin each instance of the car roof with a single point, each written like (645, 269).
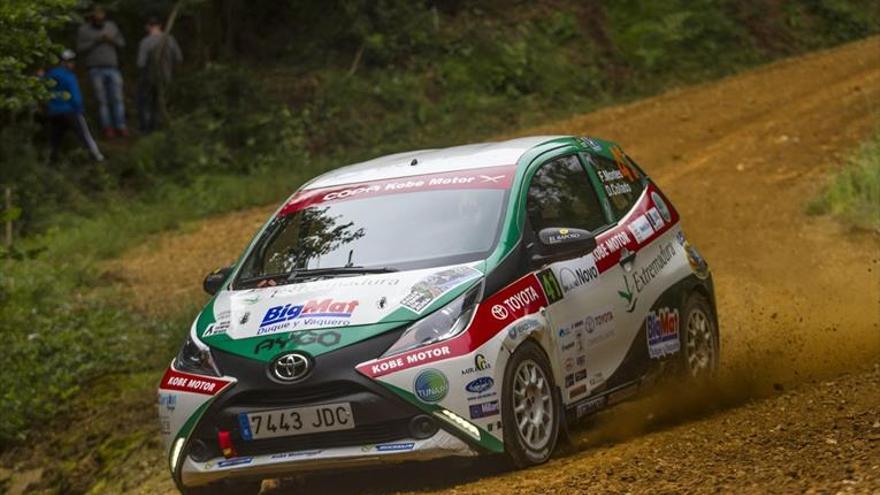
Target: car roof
(431, 161)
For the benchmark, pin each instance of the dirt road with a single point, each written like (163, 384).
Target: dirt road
(798, 406)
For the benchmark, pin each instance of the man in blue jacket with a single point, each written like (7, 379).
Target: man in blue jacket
(65, 109)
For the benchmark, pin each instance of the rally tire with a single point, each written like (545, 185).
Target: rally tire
(530, 407)
(698, 332)
(226, 488)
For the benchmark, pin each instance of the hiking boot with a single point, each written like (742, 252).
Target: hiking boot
(109, 133)
(123, 132)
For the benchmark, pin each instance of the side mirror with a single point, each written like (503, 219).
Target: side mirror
(214, 281)
(559, 243)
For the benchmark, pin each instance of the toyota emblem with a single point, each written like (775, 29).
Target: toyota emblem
(500, 312)
(291, 367)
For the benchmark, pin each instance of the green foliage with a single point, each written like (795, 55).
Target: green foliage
(25, 46)
(40, 189)
(56, 337)
(473, 84)
(246, 130)
(233, 135)
(820, 22)
(686, 36)
(60, 316)
(854, 193)
(388, 28)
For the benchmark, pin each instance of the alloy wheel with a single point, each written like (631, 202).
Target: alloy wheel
(533, 405)
(700, 344)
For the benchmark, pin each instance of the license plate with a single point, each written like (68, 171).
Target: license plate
(296, 421)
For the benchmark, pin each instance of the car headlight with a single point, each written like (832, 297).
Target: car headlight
(195, 357)
(443, 324)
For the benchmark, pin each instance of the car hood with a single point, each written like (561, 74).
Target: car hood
(348, 309)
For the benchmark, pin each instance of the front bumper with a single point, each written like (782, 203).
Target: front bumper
(385, 430)
(442, 444)
(380, 415)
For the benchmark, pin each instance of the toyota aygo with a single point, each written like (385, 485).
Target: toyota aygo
(456, 302)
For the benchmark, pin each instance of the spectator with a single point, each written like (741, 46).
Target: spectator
(157, 54)
(97, 40)
(65, 109)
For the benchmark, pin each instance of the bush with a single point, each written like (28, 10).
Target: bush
(854, 192)
(57, 337)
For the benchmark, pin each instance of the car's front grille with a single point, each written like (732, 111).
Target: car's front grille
(361, 435)
(263, 399)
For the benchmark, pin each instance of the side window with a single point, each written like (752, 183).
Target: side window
(621, 181)
(561, 195)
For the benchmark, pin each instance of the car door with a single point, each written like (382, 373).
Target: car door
(614, 354)
(561, 195)
(640, 259)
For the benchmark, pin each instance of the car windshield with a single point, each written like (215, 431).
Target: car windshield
(368, 228)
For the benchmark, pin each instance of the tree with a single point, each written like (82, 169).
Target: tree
(25, 46)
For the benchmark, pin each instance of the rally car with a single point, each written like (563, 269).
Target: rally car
(455, 302)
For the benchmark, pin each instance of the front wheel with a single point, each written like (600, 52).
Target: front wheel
(530, 407)
(699, 338)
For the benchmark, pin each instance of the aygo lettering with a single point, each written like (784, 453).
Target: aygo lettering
(326, 338)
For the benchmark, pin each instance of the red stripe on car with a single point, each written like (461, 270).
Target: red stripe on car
(197, 384)
(477, 178)
(610, 243)
(521, 298)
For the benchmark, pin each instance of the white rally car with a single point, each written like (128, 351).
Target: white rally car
(456, 302)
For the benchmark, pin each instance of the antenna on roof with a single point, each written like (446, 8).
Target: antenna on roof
(414, 162)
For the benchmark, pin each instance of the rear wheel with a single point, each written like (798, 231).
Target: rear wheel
(699, 338)
(530, 407)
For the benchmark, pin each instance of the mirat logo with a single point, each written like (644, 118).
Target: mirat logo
(480, 364)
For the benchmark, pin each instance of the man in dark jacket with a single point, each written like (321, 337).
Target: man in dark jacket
(97, 41)
(65, 109)
(158, 53)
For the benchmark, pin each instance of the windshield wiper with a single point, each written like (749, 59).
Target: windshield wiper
(260, 278)
(338, 270)
(314, 272)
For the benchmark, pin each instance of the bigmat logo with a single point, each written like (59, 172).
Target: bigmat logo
(661, 328)
(519, 299)
(326, 312)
